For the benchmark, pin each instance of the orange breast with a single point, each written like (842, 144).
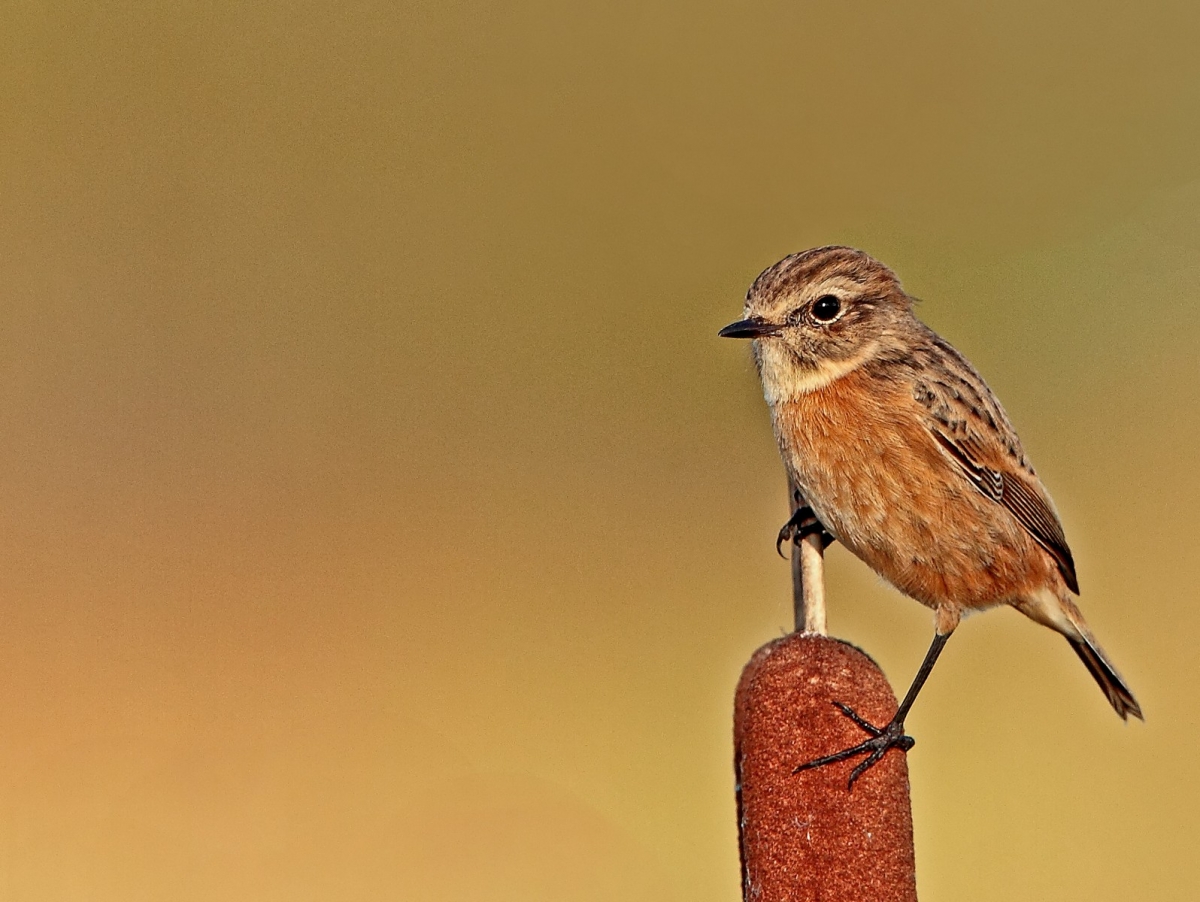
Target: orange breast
(874, 475)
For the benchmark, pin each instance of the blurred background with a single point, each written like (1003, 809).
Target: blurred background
(382, 518)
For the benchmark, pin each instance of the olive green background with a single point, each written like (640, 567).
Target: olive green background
(381, 518)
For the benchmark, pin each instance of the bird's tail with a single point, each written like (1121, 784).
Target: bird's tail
(1060, 613)
(1114, 687)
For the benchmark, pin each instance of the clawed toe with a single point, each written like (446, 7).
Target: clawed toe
(888, 737)
(803, 522)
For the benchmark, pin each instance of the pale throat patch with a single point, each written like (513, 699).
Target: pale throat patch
(783, 380)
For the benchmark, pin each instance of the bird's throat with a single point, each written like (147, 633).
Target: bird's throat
(785, 376)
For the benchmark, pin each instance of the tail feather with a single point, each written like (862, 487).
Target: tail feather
(1106, 676)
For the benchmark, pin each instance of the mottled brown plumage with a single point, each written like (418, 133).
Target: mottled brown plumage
(905, 455)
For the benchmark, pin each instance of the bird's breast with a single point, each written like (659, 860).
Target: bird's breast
(857, 448)
(861, 454)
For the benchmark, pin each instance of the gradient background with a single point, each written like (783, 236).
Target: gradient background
(382, 518)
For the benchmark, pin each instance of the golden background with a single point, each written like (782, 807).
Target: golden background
(382, 518)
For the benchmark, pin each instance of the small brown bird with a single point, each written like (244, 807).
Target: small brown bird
(904, 455)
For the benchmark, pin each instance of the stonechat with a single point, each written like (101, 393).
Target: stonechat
(903, 454)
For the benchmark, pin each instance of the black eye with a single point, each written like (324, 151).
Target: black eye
(825, 308)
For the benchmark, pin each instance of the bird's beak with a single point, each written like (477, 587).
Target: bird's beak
(749, 328)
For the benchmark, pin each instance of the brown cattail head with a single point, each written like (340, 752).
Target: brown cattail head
(806, 836)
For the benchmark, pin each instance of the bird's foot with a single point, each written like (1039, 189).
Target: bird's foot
(802, 523)
(888, 737)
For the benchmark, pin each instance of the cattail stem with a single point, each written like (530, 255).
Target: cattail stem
(808, 578)
(810, 572)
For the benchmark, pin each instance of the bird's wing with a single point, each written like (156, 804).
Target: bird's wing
(1024, 499)
(971, 427)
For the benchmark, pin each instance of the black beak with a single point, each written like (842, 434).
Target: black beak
(749, 328)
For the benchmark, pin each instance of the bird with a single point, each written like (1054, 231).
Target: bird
(900, 451)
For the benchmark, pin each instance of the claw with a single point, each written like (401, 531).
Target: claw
(891, 736)
(864, 725)
(803, 522)
(786, 533)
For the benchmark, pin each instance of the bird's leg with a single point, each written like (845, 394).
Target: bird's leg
(889, 736)
(803, 522)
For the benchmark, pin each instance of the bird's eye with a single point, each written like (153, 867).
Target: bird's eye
(826, 308)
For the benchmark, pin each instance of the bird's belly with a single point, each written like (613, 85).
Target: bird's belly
(887, 492)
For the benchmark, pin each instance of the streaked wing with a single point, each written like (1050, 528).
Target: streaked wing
(1023, 500)
(970, 425)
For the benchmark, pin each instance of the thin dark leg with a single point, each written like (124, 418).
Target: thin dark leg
(890, 736)
(931, 656)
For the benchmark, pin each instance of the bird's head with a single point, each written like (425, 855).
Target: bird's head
(817, 315)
